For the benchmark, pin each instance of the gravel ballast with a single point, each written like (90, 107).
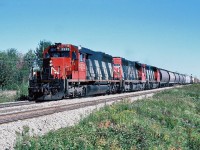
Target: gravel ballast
(42, 125)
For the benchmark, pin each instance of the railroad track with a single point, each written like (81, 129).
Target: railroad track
(19, 103)
(11, 117)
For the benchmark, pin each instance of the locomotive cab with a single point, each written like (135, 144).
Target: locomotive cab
(61, 62)
(64, 61)
(117, 68)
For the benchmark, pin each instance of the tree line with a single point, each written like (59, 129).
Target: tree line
(15, 67)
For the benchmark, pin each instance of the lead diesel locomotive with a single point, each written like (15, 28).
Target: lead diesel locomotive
(71, 71)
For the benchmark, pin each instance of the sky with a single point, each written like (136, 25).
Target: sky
(162, 33)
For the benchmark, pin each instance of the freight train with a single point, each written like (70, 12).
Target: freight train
(72, 71)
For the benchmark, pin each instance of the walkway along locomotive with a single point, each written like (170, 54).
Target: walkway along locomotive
(71, 71)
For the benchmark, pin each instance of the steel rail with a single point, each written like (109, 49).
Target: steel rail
(6, 118)
(19, 103)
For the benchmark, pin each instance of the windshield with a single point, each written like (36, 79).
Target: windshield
(57, 54)
(64, 54)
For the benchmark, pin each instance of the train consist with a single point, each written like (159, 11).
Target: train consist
(71, 71)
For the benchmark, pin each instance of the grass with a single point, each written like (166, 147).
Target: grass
(14, 95)
(7, 96)
(168, 120)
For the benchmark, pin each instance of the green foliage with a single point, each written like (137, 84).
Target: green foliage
(7, 96)
(39, 50)
(22, 93)
(15, 70)
(8, 65)
(24, 138)
(169, 120)
(28, 59)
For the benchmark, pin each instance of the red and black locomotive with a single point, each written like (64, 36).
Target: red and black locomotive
(72, 71)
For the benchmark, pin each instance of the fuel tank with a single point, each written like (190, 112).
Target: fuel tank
(97, 89)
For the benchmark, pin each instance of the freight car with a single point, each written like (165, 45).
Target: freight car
(71, 71)
(195, 80)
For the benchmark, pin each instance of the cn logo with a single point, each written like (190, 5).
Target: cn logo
(54, 70)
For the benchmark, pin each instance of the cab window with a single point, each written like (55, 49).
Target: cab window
(56, 54)
(65, 54)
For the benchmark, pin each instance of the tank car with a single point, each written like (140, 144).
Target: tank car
(164, 78)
